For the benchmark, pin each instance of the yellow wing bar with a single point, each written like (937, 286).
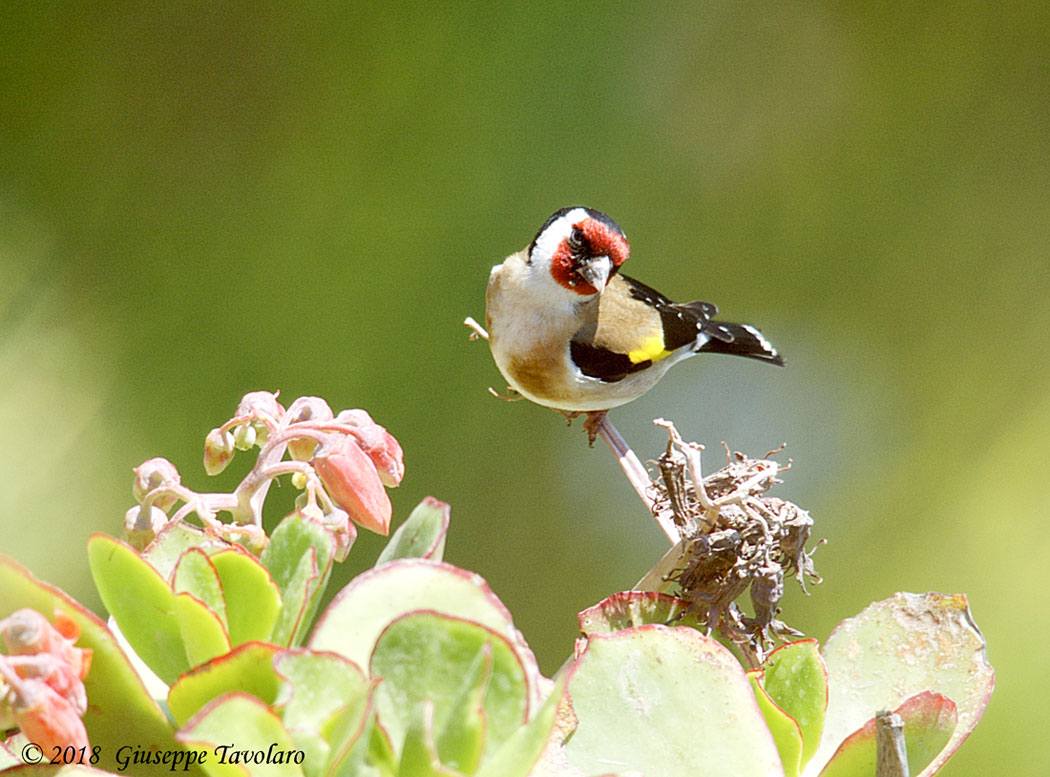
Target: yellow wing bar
(652, 350)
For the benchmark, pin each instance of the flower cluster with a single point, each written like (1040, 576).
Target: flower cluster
(343, 462)
(41, 679)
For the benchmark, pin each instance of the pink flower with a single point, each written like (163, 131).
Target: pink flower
(152, 474)
(303, 410)
(352, 480)
(44, 674)
(46, 718)
(28, 633)
(378, 443)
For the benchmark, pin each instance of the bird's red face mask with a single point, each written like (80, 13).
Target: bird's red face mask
(590, 255)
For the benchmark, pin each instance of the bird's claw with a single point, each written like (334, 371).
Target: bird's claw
(476, 329)
(510, 396)
(593, 424)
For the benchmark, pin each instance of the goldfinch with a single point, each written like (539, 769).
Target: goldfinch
(569, 331)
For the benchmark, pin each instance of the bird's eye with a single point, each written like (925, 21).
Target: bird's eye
(576, 239)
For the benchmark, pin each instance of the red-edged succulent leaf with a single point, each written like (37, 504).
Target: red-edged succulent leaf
(372, 600)
(896, 649)
(422, 535)
(929, 720)
(248, 669)
(115, 692)
(796, 679)
(663, 700)
(785, 729)
(632, 608)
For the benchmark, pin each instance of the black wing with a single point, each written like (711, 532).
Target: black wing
(603, 364)
(682, 322)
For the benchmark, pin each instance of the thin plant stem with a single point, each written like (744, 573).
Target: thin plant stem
(637, 477)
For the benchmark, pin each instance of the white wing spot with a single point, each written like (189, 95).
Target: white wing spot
(766, 345)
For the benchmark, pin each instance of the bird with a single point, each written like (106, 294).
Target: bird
(571, 332)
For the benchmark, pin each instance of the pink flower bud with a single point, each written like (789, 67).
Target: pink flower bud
(27, 632)
(250, 536)
(46, 718)
(344, 532)
(244, 436)
(43, 651)
(261, 404)
(388, 458)
(218, 451)
(302, 448)
(354, 417)
(141, 525)
(154, 474)
(302, 410)
(378, 443)
(308, 409)
(58, 675)
(352, 481)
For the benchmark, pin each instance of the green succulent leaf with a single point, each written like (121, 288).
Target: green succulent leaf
(115, 691)
(174, 539)
(348, 733)
(315, 688)
(248, 669)
(195, 574)
(8, 758)
(785, 730)
(381, 756)
(239, 735)
(522, 750)
(203, 635)
(298, 594)
(633, 608)
(141, 602)
(929, 720)
(462, 739)
(372, 600)
(660, 700)
(427, 655)
(299, 556)
(419, 756)
(252, 598)
(796, 680)
(422, 535)
(898, 648)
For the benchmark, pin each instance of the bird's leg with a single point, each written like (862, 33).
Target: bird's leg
(592, 424)
(477, 330)
(594, 421)
(568, 415)
(510, 396)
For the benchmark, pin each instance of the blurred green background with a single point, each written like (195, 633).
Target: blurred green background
(201, 199)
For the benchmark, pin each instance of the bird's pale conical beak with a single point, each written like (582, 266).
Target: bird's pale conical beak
(597, 271)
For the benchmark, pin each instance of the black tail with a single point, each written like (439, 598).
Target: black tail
(739, 340)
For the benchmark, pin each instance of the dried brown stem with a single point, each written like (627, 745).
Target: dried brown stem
(891, 755)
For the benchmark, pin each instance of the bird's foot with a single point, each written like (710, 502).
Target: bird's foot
(569, 415)
(510, 396)
(476, 329)
(593, 423)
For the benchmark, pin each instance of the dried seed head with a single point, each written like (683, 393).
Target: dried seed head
(736, 539)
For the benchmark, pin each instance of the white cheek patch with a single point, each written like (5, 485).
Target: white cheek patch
(559, 229)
